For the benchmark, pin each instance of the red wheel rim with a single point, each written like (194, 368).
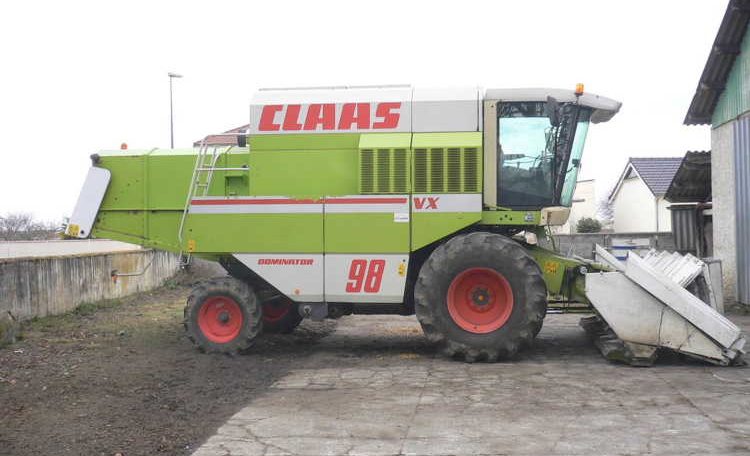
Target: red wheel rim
(220, 319)
(275, 310)
(480, 300)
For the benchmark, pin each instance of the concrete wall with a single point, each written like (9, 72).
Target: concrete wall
(724, 198)
(583, 244)
(36, 287)
(28, 249)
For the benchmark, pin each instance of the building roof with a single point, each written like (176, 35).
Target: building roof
(720, 62)
(222, 140)
(692, 182)
(655, 172)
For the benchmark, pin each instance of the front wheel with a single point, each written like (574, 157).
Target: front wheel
(481, 297)
(222, 315)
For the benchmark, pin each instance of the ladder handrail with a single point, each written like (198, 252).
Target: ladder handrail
(214, 159)
(201, 166)
(191, 189)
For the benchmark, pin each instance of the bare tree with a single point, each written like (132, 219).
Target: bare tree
(22, 226)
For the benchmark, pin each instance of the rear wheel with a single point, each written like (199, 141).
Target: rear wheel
(222, 315)
(280, 315)
(481, 297)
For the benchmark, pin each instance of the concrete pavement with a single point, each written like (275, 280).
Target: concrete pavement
(374, 387)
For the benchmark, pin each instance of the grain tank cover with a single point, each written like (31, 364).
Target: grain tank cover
(372, 109)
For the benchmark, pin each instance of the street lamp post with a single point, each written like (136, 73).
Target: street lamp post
(171, 117)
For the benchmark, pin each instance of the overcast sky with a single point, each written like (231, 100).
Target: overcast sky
(78, 77)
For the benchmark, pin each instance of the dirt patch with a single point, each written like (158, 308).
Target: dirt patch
(121, 377)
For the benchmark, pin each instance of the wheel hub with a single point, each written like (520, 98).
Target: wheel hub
(220, 319)
(480, 300)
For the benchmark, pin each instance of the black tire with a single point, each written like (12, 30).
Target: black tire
(485, 252)
(221, 292)
(280, 315)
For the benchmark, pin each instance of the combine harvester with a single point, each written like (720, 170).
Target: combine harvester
(393, 200)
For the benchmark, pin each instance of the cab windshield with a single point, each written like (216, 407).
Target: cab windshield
(538, 162)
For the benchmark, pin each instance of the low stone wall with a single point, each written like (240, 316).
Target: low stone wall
(582, 244)
(36, 287)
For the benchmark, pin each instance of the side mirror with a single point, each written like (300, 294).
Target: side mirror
(553, 111)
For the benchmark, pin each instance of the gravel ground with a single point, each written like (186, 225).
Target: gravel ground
(122, 378)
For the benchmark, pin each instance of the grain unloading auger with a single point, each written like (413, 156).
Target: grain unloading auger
(386, 199)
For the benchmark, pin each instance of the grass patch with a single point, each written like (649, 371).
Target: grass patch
(70, 319)
(90, 308)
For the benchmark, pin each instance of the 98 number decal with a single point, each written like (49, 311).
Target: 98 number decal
(365, 276)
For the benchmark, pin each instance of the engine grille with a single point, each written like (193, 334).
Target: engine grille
(447, 170)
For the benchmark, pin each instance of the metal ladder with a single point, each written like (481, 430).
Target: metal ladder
(200, 183)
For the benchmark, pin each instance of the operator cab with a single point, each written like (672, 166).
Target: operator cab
(538, 137)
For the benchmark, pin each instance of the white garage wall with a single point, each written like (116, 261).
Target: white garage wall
(634, 207)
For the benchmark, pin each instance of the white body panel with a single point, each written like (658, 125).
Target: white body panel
(351, 278)
(394, 108)
(380, 284)
(435, 110)
(447, 202)
(363, 102)
(364, 110)
(89, 200)
(299, 276)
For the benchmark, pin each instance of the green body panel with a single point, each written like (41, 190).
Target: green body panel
(451, 176)
(370, 233)
(126, 188)
(561, 274)
(255, 233)
(310, 141)
(147, 193)
(427, 228)
(155, 229)
(508, 217)
(304, 173)
(449, 139)
(385, 140)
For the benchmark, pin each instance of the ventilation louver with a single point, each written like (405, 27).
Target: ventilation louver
(383, 171)
(447, 170)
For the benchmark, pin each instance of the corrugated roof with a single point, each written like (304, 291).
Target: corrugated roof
(657, 172)
(692, 182)
(720, 61)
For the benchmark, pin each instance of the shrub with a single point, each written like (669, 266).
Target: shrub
(588, 225)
